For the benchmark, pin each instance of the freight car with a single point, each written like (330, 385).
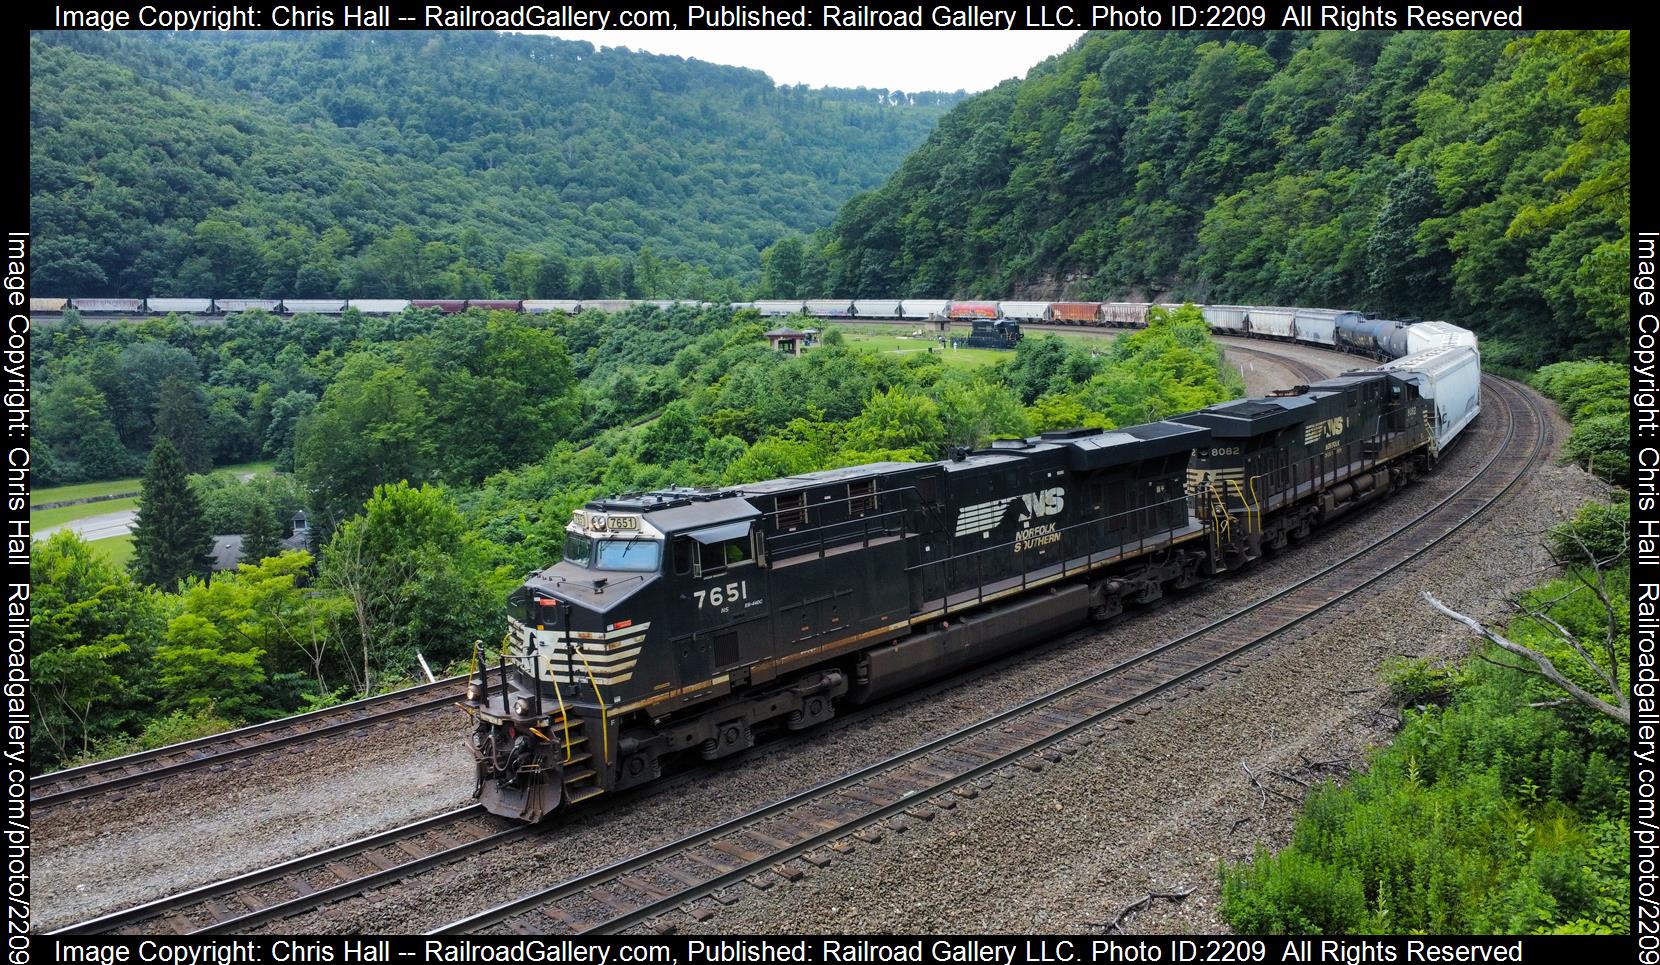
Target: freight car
(685, 621)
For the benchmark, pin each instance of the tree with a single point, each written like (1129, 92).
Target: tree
(170, 539)
(416, 578)
(1589, 546)
(263, 536)
(181, 421)
(373, 425)
(91, 633)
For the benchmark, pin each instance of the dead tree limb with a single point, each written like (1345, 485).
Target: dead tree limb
(1114, 926)
(1620, 711)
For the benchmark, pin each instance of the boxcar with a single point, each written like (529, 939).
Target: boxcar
(48, 304)
(776, 307)
(497, 304)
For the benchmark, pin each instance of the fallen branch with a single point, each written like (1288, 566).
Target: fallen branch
(1113, 926)
(1621, 713)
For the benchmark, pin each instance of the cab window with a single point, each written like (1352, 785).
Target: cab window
(716, 557)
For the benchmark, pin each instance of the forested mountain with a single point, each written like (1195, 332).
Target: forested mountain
(1477, 176)
(429, 164)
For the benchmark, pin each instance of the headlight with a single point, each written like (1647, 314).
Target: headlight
(521, 707)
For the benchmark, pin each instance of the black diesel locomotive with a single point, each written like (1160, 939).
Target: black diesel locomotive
(683, 621)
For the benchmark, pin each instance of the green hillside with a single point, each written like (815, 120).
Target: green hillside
(403, 164)
(1482, 177)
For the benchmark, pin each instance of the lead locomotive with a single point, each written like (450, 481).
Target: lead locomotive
(683, 621)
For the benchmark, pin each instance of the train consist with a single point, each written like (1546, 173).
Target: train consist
(1345, 330)
(683, 622)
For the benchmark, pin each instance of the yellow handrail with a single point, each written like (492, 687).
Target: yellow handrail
(604, 729)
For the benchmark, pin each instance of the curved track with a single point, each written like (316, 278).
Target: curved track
(57, 787)
(918, 784)
(624, 894)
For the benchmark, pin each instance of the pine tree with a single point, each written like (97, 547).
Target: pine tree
(263, 537)
(181, 420)
(170, 537)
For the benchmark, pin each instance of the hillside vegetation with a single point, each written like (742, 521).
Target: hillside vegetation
(429, 164)
(1482, 177)
(440, 458)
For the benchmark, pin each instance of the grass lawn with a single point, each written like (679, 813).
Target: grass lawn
(59, 494)
(116, 549)
(64, 514)
(873, 338)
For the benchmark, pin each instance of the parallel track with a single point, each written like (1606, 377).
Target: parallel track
(290, 887)
(58, 787)
(919, 784)
(801, 826)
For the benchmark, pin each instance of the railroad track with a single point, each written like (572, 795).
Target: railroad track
(1302, 370)
(781, 841)
(58, 787)
(290, 887)
(805, 825)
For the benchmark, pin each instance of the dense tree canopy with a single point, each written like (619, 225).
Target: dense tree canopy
(429, 164)
(1477, 176)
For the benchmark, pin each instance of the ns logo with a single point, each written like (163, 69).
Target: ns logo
(1044, 502)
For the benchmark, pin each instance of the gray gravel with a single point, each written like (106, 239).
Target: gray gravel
(114, 850)
(1172, 786)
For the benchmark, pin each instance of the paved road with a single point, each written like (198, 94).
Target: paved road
(102, 526)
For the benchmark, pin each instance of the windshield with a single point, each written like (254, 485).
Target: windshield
(630, 555)
(578, 549)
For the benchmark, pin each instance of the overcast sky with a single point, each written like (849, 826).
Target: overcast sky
(909, 60)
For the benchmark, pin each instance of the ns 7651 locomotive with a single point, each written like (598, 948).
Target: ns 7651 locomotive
(683, 621)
